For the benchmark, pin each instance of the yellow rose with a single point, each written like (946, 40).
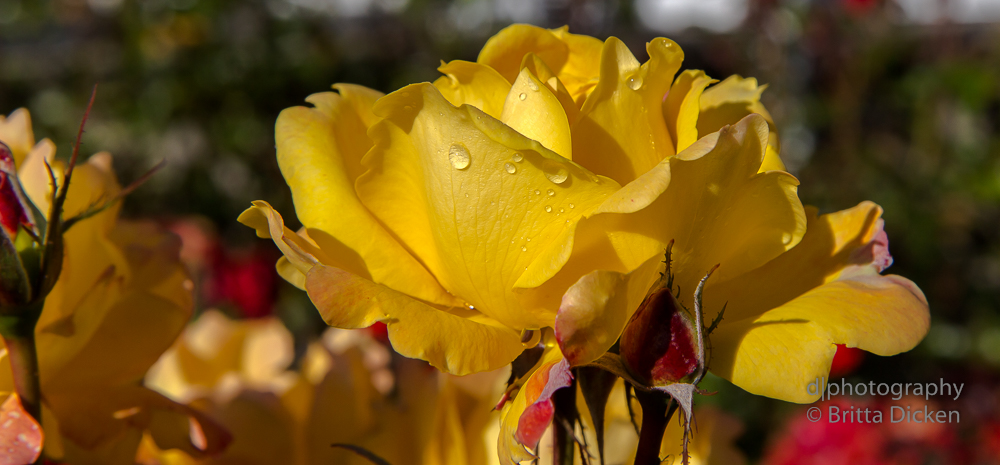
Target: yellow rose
(441, 208)
(121, 299)
(539, 186)
(346, 391)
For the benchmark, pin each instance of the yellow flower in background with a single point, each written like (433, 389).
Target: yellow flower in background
(347, 391)
(120, 301)
(441, 209)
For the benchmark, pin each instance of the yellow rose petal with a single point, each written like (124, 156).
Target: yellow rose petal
(621, 132)
(825, 291)
(454, 344)
(469, 83)
(15, 131)
(319, 152)
(574, 58)
(681, 107)
(534, 111)
(475, 201)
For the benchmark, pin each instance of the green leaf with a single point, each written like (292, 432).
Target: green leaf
(596, 385)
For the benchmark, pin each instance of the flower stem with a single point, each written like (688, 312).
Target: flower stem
(654, 423)
(18, 331)
(564, 401)
(24, 365)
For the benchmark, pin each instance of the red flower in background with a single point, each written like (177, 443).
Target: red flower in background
(846, 360)
(853, 441)
(860, 7)
(242, 277)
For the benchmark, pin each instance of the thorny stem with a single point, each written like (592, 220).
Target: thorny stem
(24, 365)
(654, 423)
(564, 401)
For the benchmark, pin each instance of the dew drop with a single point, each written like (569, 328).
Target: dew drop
(555, 172)
(523, 96)
(517, 157)
(408, 107)
(786, 238)
(458, 155)
(22, 437)
(528, 239)
(562, 210)
(524, 249)
(509, 168)
(532, 85)
(466, 195)
(538, 192)
(548, 209)
(551, 193)
(634, 82)
(14, 415)
(572, 206)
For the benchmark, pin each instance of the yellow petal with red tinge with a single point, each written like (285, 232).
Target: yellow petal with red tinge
(825, 291)
(319, 153)
(455, 344)
(475, 201)
(525, 418)
(596, 308)
(621, 132)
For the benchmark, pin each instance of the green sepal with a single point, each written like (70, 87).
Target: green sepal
(15, 284)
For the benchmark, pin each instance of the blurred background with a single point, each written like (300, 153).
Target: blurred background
(895, 101)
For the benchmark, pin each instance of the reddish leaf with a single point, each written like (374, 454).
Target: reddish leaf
(538, 415)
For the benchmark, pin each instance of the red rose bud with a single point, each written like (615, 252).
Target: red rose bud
(14, 208)
(659, 344)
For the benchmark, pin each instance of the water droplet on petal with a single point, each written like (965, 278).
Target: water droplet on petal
(523, 96)
(551, 192)
(528, 239)
(532, 85)
(786, 238)
(517, 157)
(408, 107)
(538, 192)
(524, 249)
(509, 168)
(561, 210)
(572, 206)
(466, 195)
(548, 209)
(555, 173)
(634, 82)
(459, 157)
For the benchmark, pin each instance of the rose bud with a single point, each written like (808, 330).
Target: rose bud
(659, 345)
